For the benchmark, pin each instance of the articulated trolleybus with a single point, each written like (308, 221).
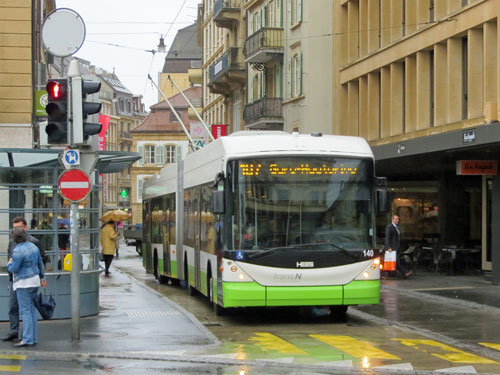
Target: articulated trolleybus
(267, 219)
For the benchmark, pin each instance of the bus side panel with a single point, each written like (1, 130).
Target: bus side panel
(359, 292)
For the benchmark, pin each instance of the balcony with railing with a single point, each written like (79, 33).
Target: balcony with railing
(264, 113)
(227, 13)
(264, 45)
(227, 73)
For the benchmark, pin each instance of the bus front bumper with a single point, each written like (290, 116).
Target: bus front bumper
(253, 294)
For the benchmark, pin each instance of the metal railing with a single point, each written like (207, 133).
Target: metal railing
(221, 5)
(263, 108)
(266, 37)
(228, 61)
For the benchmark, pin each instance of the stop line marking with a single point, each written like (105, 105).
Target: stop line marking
(354, 347)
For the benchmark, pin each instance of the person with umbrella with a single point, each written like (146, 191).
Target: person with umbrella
(108, 237)
(117, 216)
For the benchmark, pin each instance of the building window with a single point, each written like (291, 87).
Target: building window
(295, 75)
(294, 12)
(170, 151)
(149, 154)
(129, 106)
(140, 183)
(122, 105)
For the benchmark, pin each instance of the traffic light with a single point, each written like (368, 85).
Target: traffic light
(57, 111)
(82, 109)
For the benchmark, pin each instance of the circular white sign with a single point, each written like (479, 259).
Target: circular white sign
(63, 32)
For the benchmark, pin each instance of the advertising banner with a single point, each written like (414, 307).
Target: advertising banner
(104, 120)
(219, 130)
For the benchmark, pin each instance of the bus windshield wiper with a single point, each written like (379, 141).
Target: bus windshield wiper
(342, 250)
(301, 246)
(267, 251)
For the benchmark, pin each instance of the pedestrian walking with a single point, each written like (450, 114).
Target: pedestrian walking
(393, 243)
(18, 222)
(26, 265)
(108, 237)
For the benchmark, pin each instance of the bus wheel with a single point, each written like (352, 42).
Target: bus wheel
(338, 313)
(163, 279)
(218, 309)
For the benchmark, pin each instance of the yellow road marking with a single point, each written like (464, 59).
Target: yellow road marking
(491, 345)
(10, 368)
(268, 341)
(354, 347)
(453, 355)
(18, 357)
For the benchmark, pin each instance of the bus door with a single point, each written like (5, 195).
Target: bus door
(146, 255)
(167, 210)
(197, 244)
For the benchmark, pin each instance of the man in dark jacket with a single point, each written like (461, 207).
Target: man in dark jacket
(13, 334)
(393, 243)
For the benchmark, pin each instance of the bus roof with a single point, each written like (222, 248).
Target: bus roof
(203, 164)
(249, 142)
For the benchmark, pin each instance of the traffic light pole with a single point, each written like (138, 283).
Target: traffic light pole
(74, 75)
(75, 271)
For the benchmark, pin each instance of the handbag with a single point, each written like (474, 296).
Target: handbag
(390, 260)
(101, 257)
(45, 305)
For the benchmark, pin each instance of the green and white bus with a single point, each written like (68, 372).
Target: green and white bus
(267, 219)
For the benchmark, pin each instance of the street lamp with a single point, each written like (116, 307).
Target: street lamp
(161, 46)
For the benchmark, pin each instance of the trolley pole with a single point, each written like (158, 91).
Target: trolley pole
(75, 272)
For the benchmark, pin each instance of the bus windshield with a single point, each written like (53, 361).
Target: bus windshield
(293, 201)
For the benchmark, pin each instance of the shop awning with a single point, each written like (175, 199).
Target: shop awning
(109, 161)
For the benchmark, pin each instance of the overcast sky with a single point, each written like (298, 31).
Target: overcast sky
(136, 26)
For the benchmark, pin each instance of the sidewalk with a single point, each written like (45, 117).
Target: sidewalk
(133, 320)
(474, 291)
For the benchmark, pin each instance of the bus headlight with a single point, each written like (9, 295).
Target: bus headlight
(234, 269)
(241, 276)
(366, 275)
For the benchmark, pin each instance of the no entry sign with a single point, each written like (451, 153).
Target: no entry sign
(74, 185)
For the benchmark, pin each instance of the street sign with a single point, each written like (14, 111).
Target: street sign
(71, 158)
(63, 32)
(74, 185)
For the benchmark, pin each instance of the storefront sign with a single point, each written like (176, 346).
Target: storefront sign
(477, 167)
(469, 136)
(41, 102)
(219, 130)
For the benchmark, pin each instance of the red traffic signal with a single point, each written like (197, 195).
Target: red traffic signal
(56, 90)
(57, 111)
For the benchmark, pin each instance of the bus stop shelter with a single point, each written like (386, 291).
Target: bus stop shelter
(29, 188)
